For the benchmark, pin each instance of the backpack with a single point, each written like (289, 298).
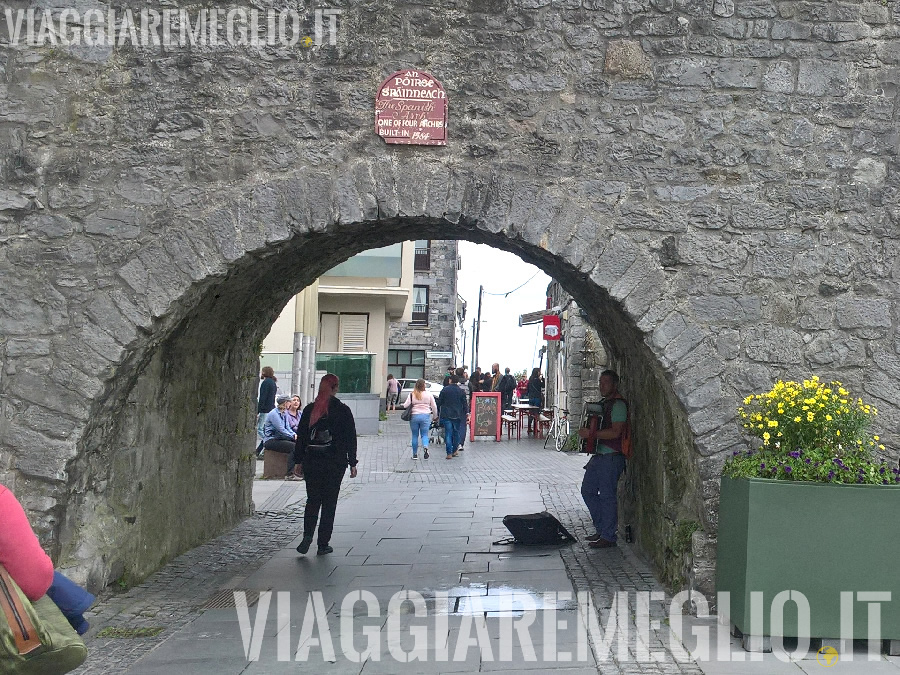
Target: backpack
(596, 410)
(320, 439)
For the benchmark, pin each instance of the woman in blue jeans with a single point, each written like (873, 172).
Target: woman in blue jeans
(424, 409)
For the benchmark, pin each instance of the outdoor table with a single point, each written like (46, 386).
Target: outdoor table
(524, 410)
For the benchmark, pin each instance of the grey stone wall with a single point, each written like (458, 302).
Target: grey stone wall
(440, 333)
(716, 184)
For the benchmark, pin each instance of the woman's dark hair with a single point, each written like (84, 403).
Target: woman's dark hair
(267, 371)
(535, 374)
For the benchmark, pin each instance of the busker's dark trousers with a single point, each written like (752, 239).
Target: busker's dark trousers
(598, 489)
(323, 482)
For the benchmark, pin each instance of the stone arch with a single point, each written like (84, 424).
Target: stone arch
(742, 154)
(174, 412)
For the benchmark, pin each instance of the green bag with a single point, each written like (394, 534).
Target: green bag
(35, 638)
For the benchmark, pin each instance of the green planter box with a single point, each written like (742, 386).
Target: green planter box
(816, 538)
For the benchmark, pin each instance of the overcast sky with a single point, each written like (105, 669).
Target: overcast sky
(502, 340)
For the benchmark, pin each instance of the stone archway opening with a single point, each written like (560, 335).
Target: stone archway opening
(167, 461)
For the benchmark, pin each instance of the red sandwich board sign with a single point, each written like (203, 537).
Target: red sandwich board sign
(485, 420)
(411, 108)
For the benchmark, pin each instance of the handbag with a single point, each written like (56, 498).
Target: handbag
(406, 415)
(35, 638)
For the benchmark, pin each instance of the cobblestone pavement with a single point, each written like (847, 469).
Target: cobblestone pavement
(175, 596)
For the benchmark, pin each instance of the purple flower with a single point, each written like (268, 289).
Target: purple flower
(808, 460)
(735, 453)
(881, 470)
(762, 466)
(787, 469)
(794, 454)
(830, 475)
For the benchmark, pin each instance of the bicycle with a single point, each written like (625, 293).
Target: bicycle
(560, 429)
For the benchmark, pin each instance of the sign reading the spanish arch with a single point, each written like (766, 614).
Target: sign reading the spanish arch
(411, 108)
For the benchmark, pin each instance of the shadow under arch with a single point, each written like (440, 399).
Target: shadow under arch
(167, 462)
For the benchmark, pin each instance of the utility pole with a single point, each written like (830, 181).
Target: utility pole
(478, 330)
(472, 364)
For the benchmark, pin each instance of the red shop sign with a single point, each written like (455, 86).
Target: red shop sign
(411, 108)
(552, 330)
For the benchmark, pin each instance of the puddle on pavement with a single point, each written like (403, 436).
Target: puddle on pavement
(503, 601)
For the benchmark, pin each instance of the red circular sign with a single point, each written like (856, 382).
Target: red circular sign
(411, 108)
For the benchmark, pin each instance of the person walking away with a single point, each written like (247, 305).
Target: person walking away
(452, 405)
(424, 409)
(268, 387)
(601, 475)
(535, 398)
(326, 446)
(506, 385)
(464, 422)
(278, 435)
(393, 391)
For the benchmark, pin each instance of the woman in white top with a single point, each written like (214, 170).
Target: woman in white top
(423, 407)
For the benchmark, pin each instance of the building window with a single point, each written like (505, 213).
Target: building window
(420, 306)
(407, 363)
(343, 332)
(422, 260)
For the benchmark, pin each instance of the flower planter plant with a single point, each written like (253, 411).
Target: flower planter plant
(811, 508)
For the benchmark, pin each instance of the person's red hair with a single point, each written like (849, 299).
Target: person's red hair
(326, 389)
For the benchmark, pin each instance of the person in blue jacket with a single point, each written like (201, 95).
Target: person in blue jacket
(452, 410)
(278, 435)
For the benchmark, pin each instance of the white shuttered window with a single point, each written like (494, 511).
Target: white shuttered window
(354, 328)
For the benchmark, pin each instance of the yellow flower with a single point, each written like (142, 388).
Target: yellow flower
(773, 423)
(797, 418)
(828, 417)
(766, 436)
(810, 416)
(838, 432)
(747, 400)
(876, 438)
(881, 447)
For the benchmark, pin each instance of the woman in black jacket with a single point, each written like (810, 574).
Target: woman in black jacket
(535, 396)
(326, 446)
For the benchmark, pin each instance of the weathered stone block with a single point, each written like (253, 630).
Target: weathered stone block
(774, 344)
(823, 78)
(626, 58)
(859, 312)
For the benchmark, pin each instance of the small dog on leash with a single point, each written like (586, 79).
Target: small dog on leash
(436, 432)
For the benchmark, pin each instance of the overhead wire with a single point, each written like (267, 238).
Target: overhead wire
(516, 288)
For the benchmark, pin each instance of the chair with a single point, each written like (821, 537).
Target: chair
(543, 422)
(511, 422)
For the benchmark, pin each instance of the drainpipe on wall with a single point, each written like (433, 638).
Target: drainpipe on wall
(297, 366)
(309, 353)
